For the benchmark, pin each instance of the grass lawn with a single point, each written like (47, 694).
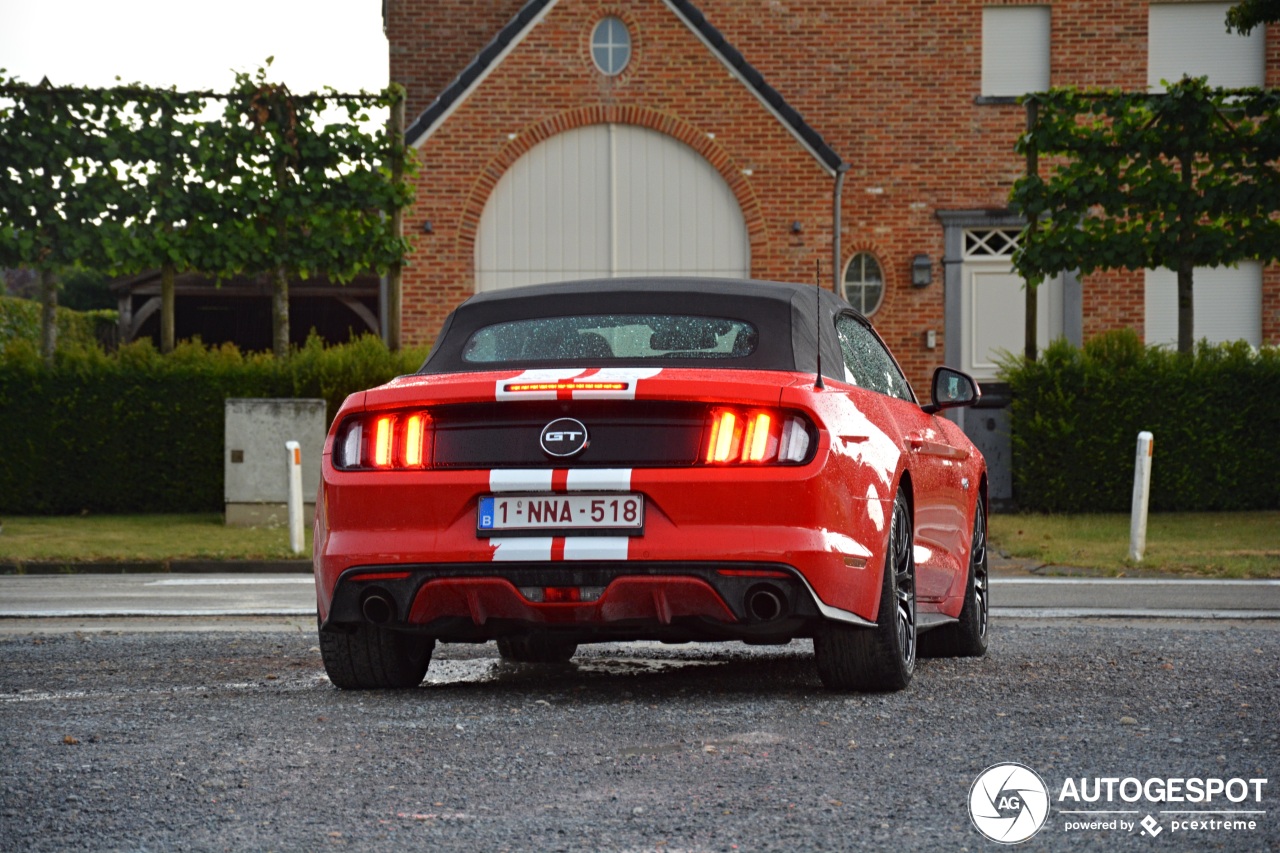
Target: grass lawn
(1226, 544)
(1235, 545)
(141, 538)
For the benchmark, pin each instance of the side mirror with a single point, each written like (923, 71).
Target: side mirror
(952, 389)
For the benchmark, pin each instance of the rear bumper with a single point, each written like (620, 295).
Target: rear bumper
(677, 601)
(813, 521)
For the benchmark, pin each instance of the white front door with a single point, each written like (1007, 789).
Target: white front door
(993, 304)
(606, 201)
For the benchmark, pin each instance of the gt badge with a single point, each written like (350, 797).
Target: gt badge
(564, 437)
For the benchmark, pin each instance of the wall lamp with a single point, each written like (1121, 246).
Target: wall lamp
(427, 228)
(921, 271)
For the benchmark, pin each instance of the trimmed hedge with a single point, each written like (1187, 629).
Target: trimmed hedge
(20, 320)
(1076, 415)
(136, 431)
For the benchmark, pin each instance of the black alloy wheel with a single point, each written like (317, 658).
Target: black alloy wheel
(881, 658)
(968, 637)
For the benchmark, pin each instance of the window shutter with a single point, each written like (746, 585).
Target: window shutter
(1191, 39)
(1015, 50)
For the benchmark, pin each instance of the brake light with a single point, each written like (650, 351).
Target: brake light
(737, 436)
(414, 433)
(563, 387)
(382, 443)
(386, 441)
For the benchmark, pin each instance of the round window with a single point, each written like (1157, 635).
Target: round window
(864, 283)
(611, 46)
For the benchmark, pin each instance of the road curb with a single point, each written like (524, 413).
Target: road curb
(116, 567)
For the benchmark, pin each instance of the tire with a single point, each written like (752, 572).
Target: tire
(370, 657)
(967, 638)
(536, 648)
(883, 658)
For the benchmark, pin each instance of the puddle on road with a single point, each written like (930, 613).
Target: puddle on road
(489, 671)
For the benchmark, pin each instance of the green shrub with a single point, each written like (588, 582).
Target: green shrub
(1076, 415)
(136, 431)
(20, 320)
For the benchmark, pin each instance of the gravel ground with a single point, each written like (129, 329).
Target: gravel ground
(201, 741)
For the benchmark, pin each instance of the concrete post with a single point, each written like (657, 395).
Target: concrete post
(1141, 496)
(297, 539)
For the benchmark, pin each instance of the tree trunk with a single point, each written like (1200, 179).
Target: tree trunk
(1186, 306)
(167, 274)
(1186, 239)
(280, 313)
(48, 314)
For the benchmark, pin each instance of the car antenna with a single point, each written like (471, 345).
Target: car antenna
(817, 298)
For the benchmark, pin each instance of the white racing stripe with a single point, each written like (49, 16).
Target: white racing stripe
(606, 479)
(522, 548)
(518, 480)
(596, 547)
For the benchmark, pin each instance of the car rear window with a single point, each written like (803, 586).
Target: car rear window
(604, 337)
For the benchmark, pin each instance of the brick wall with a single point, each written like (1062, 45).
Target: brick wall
(890, 85)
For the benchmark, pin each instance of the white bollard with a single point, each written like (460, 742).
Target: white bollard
(1141, 496)
(297, 541)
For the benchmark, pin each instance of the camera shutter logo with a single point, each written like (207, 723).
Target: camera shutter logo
(1008, 803)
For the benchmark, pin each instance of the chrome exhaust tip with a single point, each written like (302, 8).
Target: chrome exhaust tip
(377, 608)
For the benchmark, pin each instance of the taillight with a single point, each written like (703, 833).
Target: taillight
(738, 436)
(385, 441)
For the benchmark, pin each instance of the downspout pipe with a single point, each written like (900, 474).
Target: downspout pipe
(836, 252)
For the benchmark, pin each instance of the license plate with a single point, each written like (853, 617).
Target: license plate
(552, 513)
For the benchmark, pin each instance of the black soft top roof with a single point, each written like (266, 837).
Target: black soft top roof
(789, 317)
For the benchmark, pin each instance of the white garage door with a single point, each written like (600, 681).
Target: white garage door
(606, 201)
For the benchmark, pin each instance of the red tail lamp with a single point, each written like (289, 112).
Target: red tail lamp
(385, 441)
(747, 436)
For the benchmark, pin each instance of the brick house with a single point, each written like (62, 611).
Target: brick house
(574, 138)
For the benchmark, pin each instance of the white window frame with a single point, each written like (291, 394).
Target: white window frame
(617, 52)
(856, 282)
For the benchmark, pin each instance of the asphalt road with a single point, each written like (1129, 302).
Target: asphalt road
(234, 740)
(1022, 595)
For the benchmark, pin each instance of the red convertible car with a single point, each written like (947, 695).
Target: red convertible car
(666, 459)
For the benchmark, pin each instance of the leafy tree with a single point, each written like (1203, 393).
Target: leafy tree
(87, 290)
(132, 178)
(1247, 14)
(313, 196)
(57, 196)
(1179, 179)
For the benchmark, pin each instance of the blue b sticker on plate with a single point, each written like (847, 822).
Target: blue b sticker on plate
(486, 514)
